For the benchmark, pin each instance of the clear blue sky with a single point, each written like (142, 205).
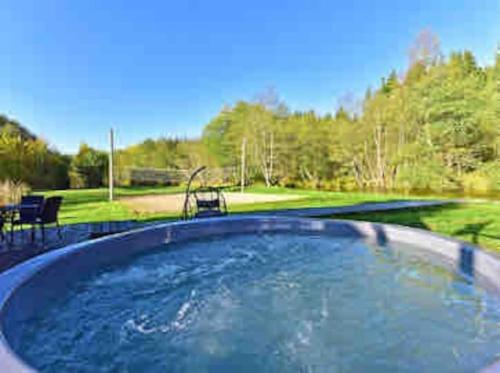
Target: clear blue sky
(70, 69)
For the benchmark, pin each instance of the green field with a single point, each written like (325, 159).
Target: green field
(92, 205)
(474, 221)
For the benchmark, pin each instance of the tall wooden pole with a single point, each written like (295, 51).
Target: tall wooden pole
(110, 166)
(243, 150)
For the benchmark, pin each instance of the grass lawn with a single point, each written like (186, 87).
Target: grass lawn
(92, 205)
(477, 222)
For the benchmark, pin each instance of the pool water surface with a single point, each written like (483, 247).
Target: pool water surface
(267, 303)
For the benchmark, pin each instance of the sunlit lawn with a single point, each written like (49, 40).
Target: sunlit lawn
(315, 198)
(92, 205)
(477, 222)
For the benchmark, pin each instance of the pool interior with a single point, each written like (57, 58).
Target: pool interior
(267, 302)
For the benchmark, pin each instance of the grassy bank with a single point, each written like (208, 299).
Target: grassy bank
(476, 221)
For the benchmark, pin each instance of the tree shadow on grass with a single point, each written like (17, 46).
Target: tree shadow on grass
(411, 217)
(475, 231)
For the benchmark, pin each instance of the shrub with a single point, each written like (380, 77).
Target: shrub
(11, 192)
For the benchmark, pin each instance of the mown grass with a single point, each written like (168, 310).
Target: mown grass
(92, 205)
(315, 198)
(476, 221)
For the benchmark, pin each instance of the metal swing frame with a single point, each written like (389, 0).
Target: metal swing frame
(204, 201)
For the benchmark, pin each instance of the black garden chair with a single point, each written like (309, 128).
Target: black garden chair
(29, 210)
(50, 215)
(2, 235)
(32, 200)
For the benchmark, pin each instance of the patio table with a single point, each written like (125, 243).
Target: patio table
(9, 212)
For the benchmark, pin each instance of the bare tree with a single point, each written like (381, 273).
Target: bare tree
(266, 155)
(426, 49)
(269, 98)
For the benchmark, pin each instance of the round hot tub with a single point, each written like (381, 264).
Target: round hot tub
(254, 294)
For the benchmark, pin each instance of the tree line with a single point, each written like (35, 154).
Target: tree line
(435, 126)
(27, 161)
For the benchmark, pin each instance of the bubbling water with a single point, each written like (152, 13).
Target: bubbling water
(273, 302)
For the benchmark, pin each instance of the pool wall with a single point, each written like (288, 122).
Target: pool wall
(29, 286)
